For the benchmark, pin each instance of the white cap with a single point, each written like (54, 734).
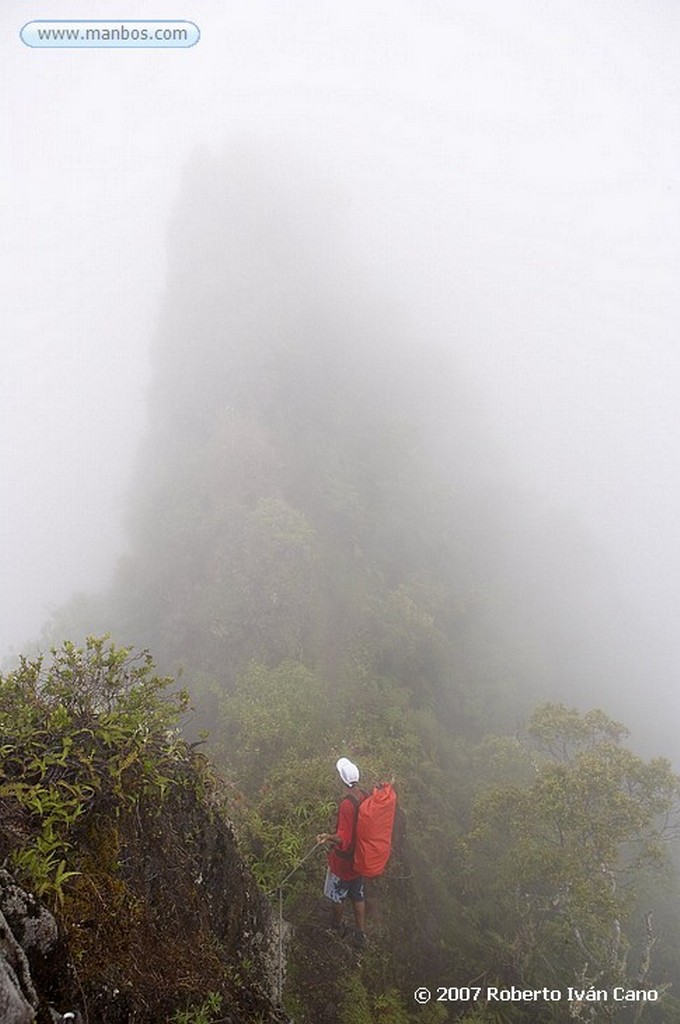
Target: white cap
(349, 773)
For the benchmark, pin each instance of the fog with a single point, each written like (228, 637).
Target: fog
(504, 174)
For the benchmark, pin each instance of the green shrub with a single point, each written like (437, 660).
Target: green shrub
(91, 731)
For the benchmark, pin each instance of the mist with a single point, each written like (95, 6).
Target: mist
(501, 180)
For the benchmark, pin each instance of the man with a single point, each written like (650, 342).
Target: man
(341, 879)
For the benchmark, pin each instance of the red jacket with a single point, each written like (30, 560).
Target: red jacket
(346, 823)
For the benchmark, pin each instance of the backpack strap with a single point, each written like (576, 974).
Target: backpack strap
(348, 854)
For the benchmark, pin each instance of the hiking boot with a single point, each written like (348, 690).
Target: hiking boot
(359, 939)
(340, 928)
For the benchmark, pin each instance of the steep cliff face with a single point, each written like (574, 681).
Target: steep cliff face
(146, 911)
(180, 920)
(29, 942)
(185, 919)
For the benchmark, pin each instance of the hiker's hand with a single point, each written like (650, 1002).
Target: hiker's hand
(323, 837)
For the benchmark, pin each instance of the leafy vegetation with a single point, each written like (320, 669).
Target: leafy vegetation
(555, 855)
(114, 820)
(91, 733)
(207, 1013)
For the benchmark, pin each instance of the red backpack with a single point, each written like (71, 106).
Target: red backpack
(373, 830)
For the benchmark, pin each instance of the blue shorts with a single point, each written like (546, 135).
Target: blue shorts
(337, 889)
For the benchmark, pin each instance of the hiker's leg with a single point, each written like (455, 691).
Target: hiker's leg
(356, 893)
(359, 907)
(336, 891)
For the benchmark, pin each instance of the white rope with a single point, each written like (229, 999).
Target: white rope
(280, 991)
(279, 889)
(296, 868)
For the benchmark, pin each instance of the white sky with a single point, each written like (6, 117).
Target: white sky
(509, 170)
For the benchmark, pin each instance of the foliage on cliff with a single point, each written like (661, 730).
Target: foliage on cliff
(113, 820)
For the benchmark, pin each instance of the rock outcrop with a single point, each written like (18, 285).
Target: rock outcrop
(29, 948)
(180, 918)
(144, 911)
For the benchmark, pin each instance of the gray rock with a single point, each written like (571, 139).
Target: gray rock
(27, 929)
(33, 926)
(17, 995)
(14, 1007)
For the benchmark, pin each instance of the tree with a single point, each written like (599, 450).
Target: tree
(556, 850)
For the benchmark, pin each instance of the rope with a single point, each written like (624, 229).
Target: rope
(279, 889)
(296, 868)
(280, 985)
